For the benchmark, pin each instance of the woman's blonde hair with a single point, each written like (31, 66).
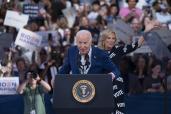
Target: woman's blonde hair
(103, 36)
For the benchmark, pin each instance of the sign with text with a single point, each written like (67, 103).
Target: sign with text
(15, 19)
(8, 85)
(31, 9)
(28, 39)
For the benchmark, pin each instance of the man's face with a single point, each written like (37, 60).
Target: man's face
(83, 43)
(84, 22)
(136, 25)
(21, 65)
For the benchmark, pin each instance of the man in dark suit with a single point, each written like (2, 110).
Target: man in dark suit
(87, 59)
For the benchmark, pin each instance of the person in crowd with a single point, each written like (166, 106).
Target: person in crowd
(6, 64)
(126, 66)
(136, 79)
(155, 8)
(167, 79)
(62, 25)
(169, 83)
(95, 10)
(57, 7)
(112, 14)
(75, 4)
(21, 66)
(90, 25)
(127, 13)
(101, 22)
(48, 67)
(136, 26)
(43, 57)
(168, 68)
(145, 21)
(87, 59)
(33, 89)
(154, 82)
(84, 23)
(163, 16)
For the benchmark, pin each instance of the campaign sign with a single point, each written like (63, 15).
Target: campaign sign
(15, 19)
(8, 85)
(31, 9)
(28, 39)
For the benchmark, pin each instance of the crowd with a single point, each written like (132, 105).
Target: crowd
(142, 72)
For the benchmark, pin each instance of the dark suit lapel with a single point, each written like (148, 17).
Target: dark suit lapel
(76, 59)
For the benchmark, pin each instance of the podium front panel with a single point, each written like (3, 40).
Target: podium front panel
(64, 101)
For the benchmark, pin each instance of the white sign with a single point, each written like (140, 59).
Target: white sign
(70, 14)
(28, 39)
(15, 19)
(8, 85)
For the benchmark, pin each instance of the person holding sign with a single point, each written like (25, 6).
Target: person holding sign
(127, 13)
(33, 89)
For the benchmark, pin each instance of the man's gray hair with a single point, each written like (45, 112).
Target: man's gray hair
(83, 32)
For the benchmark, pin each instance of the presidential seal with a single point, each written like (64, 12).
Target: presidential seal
(83, 91)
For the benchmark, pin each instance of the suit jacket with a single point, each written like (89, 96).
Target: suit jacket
(100, 62)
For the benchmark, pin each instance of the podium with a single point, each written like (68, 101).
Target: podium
(70, 92)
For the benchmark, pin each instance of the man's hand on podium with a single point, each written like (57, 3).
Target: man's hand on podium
(113, 75)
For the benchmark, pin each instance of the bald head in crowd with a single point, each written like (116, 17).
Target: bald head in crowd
(83, 41)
